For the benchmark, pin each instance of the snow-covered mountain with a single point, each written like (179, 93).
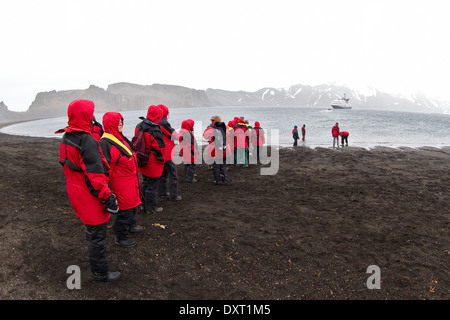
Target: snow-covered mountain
(323, 95)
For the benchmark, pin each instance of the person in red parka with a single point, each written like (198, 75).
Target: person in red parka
(170, 171)
(257, 138)
(123, 177)
(344, 137)
(87, 184)
(241, 142)
(335, 134)
(218, 149)
(188, 149)
(154, 141)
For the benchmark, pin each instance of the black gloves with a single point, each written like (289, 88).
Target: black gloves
(111, 205)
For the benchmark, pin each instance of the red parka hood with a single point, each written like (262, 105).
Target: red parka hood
(111, 123)
(188, 125)
(154, 114)
(81, 114)
(257, 124)
(164, 110)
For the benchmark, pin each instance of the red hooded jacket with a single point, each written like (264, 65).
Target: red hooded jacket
(168, 132)
(188, 144)
(84, 165)
(241, 134)
(335, 131)
(257, 135)
(123, 174)
(154, 140)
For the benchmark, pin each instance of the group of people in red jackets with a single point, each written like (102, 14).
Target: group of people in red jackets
(230, 143)
(336, 133)
(101, 169)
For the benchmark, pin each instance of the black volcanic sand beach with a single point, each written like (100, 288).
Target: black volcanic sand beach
(309, 232)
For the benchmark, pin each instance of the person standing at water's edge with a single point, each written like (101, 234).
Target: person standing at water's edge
(303, 133)
(344, 137)
(87, 185)
(295, 135)
(335, 134)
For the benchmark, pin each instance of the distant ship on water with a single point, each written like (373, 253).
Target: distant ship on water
(341, 103)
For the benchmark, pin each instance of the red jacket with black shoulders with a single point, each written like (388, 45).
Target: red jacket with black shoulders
(84, 165)
(123, 172)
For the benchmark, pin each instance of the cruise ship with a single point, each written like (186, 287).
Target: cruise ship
(341, 103)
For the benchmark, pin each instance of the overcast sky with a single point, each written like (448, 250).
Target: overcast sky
(391, 45)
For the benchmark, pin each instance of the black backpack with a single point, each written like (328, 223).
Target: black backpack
(138, 141)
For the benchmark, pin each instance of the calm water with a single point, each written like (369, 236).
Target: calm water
(368, 128)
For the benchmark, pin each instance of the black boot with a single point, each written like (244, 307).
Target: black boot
(111, 276)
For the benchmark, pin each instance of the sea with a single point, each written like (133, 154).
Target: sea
(368, 128)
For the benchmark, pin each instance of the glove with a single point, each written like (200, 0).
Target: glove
(111, 204)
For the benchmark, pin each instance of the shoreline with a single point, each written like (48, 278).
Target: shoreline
(371, 148)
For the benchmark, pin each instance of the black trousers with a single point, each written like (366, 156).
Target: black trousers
(220, 171)
(95, 236)
(189, 171)
(258, 153)
(149, 190)
(169, 174)
(344, 138)
(125, 219)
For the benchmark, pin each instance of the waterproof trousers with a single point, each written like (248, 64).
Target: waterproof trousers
(149, 190)
(220, 172)
(336, 141)
(125, 220)
(189, 171)
(169, 174)
(242, 156)
(95, 236)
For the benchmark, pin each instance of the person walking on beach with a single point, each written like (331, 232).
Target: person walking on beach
(257, 138)
(170, 171)
(303, 133)
(87, 184)
(335, 134)
(188, 149)
(344, 137)
(295, 135)
(154, 142)
(123, 177)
